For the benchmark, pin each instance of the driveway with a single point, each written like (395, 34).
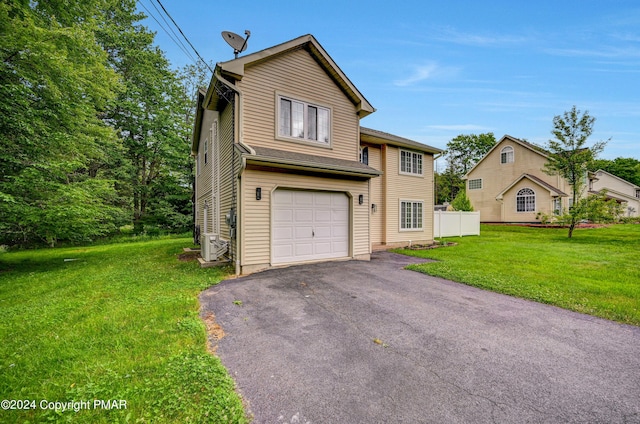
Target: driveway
(370, 342)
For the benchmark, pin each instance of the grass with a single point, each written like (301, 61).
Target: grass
(596, 272)
(116, 322)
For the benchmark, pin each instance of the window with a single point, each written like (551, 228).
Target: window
(506, 154)
(364, 155)
(206, 150)
(526, 200)
(303, 121)
(638, 193)
(557, 206)
(410, 215)
(475, 184)
(410, 162)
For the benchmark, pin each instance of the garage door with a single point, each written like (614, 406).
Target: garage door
(309, 225)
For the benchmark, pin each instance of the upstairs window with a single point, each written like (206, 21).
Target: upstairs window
(410, 163)
(506, 155)
(475, 184)
(526, 200)
(206, 151)
(638, 193)
(303, 121)
(364, 155)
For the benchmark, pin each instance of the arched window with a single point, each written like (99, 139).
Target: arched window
(506, 154)
(526, 200)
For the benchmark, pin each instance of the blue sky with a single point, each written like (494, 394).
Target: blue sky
(434, 70)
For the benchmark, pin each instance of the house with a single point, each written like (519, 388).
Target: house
(286, 174)
(616, 188)
(509, 185)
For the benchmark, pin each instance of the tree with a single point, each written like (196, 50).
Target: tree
(570, 158)
(151, 115)
(462, 202)
(626, 168)
(464, 151)
(55, 87)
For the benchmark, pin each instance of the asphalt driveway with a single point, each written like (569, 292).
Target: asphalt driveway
(370, 342)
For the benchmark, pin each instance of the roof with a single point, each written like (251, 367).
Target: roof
(380, 137)
(234, 69)
(554, 191)
(290, 160)
(601, 171)
(511, 139)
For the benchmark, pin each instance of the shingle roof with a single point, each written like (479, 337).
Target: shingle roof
(323, 164)
(395, 140)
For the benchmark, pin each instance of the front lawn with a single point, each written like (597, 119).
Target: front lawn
(112, 322)
(596, 272)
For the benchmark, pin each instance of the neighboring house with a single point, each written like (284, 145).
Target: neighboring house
(285, 173)
(616, 188)
(509, 185)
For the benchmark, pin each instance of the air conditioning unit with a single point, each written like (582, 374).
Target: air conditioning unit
(211, 247)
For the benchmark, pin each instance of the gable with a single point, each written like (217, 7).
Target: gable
(524, 152)
(236, 69)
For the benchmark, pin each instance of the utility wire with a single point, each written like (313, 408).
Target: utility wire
(183, 48)
(184, 36)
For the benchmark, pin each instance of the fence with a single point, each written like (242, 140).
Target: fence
(456, 223)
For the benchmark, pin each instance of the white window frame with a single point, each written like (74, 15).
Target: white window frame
(306, 128)
(528, 206)
(410, 163)
(509, 153)
(557, 206)
(411, 218)
(475, 180)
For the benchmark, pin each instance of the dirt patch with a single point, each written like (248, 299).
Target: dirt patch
(214, 331)
(189, 256)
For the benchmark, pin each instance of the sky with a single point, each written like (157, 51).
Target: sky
(436, 69)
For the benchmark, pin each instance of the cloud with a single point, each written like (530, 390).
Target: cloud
(430, 70)
(452, 35)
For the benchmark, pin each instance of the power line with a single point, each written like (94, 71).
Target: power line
(184, 36)
(181, 47)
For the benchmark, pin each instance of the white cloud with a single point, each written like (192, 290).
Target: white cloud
(452, 35)
(430, 70)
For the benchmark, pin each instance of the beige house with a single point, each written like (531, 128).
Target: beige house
(616, 188)
(285, 172)
(508, 185)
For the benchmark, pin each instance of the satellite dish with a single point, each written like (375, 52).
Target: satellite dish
(236, 41)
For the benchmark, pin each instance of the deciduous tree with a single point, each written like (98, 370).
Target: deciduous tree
(569, 156)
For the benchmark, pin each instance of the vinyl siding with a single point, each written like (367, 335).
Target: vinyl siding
(377, 217)
(256, 217)
(297, 75)
(228, 170)
(204, 175)
(406, 187)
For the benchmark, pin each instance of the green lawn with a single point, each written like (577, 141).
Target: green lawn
(597, 272)
(118, 322)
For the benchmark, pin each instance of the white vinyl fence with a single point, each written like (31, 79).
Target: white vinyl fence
(456, 223)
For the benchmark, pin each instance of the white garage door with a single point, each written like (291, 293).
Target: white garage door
(309, 225)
